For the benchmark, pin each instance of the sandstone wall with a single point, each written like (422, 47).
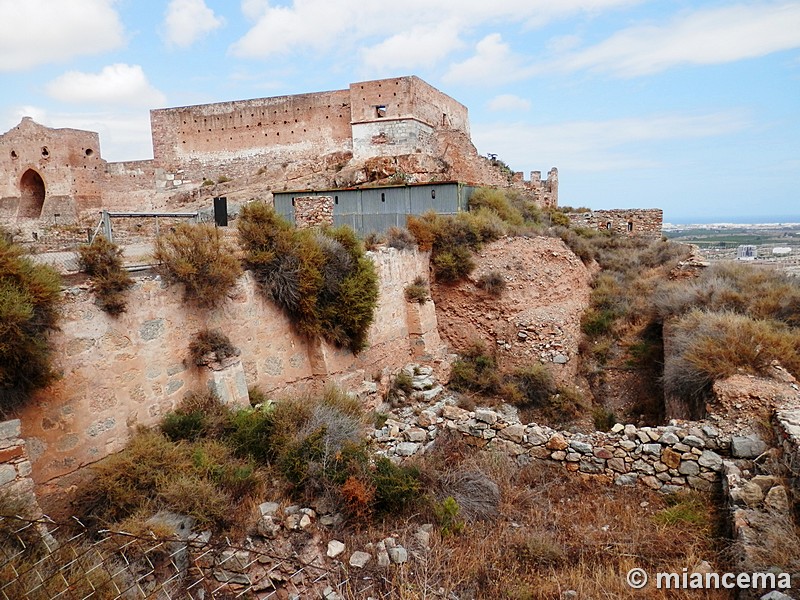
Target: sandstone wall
(65, 162)
(124, 372)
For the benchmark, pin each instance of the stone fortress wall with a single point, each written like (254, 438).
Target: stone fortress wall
(307, 140)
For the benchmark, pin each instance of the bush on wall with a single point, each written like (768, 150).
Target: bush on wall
(29, 299)
(102, 261)
(195, 256)
(321, 278)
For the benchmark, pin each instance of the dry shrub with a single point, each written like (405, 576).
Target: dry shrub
(29, 300)
(417, 291)
(358, 497)
(477, 496)
(745, 289)
(210, 345)
(195, 256)
(493, 283)
(706, 346)
(400, 238)
(102, 261)
(320, 278)
(373, 240)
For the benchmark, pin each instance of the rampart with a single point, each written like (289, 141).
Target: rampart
(119, 373)
(631, 221)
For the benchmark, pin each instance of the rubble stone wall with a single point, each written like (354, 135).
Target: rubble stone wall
(15, 468)
(634, 221)
(311, 211)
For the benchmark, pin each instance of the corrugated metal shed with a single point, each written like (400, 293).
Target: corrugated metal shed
(378, 208)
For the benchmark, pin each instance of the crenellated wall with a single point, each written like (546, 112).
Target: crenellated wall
(119, 373)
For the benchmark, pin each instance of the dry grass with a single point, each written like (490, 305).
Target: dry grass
(555, 531)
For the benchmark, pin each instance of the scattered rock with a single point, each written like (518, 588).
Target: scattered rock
(359, 559)
(335, 548)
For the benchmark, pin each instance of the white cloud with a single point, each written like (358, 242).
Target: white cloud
(253, 9)
(119, 84)
(309, 25)
(36, 32)
(600, 145)
(493, 63)
(703, 37)
(420, 46)
(189, 20)
(508, 102)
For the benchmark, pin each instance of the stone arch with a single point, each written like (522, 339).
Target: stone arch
(32, 193)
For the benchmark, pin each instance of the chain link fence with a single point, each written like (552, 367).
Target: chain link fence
(57, 244)
(41, 559)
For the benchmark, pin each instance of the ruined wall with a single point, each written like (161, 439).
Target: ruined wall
(46, 172)
(633, 221)
(119, 373)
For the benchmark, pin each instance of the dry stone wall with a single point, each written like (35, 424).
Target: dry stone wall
(666, 458)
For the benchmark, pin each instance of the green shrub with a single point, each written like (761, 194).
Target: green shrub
(29, 300)
(475, 371)
(223, 179)
(604, 418)
(493, 283)
(495, 200)
(210, 345)
(535, 383)
(417, 291)
(198, 415)
(397, 487)
(319, 277)
(195, 256)
(447, 516)
(372, 240)
(102, 261)
(595, 323)
(453, 265)
(558, 218)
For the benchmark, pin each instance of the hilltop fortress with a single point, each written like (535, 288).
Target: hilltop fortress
(388, 131)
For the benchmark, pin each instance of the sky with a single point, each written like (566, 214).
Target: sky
(689, 106)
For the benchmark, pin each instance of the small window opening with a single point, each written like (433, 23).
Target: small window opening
(630, 225)
(45, 151)
(608, 225)
(14, 154)
(380, 110)
(433, 194)
(336, 199)
(444, 119)
(292, 201)
(89, 152)
(383, 197)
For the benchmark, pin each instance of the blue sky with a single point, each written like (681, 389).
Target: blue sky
(690, 106)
